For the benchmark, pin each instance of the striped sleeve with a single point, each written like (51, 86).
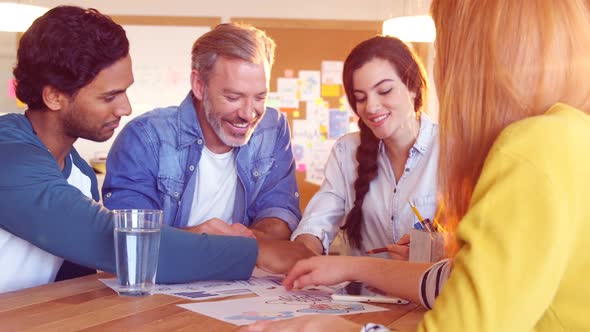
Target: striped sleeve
(432, 281)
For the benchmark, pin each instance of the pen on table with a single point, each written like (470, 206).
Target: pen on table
(377, 250)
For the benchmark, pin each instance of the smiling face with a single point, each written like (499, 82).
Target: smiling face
(383, 101)
(233, 102)
(94, 111)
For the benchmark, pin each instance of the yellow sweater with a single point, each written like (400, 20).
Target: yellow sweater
(524, 263)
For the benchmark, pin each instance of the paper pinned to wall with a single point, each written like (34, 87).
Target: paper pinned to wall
(304, 134)
(310, 85)
(330, 90)
(332, 72)
(288, 85)
(10, 89)
(320, 151)
(338, 123)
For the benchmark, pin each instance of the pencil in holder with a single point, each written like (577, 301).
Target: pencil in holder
(426, 246)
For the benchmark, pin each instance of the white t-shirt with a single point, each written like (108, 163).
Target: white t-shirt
(24, 265)
(215, 188)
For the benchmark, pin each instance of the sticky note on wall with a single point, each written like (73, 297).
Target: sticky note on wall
(11, 89)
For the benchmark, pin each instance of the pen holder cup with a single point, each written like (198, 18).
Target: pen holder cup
(426, 246)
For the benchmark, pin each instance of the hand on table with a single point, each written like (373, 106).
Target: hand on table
(278, 256)
(321, 270)
(219, 227)
(304, 323)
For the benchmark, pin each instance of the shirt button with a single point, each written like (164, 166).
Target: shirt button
(109, 194)
(191, 168)
(176, 194)
(407, 169)
(256, 174)
(297, 194)
(199, 141)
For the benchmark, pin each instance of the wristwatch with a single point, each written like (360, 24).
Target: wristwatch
(371, 327)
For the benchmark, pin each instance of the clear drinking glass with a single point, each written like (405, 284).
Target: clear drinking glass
(137, 243)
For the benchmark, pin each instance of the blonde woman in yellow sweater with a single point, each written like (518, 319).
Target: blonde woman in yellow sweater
(513, 79)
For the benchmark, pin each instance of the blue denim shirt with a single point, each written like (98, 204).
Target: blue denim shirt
(153, 164)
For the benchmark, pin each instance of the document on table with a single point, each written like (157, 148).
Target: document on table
(260, 283)
(288, 305)
(273, 301)
(198, 290)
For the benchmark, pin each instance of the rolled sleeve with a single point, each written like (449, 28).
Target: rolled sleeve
(284, 214)
(315, 231)
(279, 195)
(326, 210)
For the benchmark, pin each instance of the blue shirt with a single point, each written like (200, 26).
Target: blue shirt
(38, 205)
(153, 161)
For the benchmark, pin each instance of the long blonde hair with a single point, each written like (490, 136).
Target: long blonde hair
(498, 62)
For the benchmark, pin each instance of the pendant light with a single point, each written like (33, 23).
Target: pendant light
(18, 17)
(414, 25)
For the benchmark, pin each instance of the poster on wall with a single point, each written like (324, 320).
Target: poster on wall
(332, 72)
(338, 123)
(320, 151)
(288, 85)
(309, 81)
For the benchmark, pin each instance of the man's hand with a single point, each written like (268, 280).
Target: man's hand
(219, 227)
(271, 229)
(278, 256)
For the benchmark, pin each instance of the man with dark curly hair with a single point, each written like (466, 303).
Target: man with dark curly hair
(73, 70)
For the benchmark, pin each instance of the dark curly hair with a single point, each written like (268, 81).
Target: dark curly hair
(66, 48)
(412, 74)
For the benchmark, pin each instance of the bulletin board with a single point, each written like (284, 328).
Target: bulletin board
(303, 45)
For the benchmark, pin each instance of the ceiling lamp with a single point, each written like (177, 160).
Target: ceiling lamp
(419, 28)
(18, 17)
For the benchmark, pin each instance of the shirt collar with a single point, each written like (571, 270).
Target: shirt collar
(426, 134)
(189, 128)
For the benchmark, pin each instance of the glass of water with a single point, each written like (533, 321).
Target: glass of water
(137, 243)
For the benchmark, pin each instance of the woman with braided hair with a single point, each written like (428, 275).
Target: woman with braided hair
(371, 175)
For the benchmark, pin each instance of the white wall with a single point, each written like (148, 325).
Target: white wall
(305, 9)
(7, 62)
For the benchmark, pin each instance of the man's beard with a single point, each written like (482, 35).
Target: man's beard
(215, 123)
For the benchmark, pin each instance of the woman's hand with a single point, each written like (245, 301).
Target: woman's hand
(322, 270)
(304, 323)
(401, 249)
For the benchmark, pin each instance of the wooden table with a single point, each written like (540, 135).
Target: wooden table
(86, 303)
